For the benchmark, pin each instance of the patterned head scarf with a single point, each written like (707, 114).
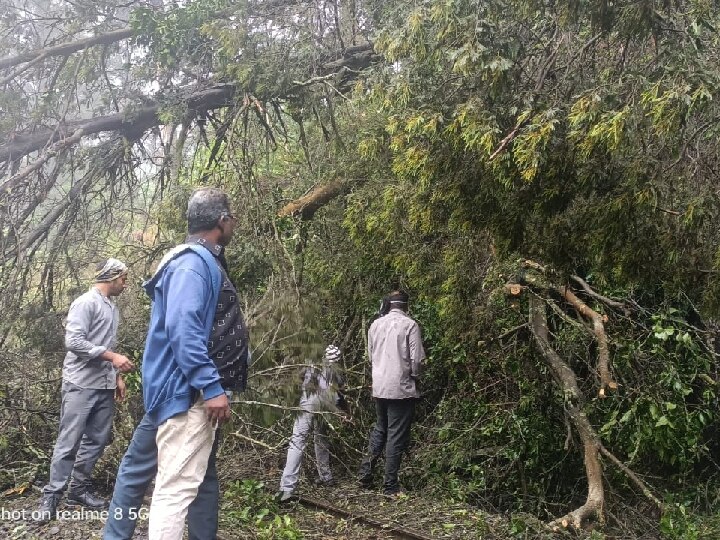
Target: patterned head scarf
(112, 269)
(332, 354)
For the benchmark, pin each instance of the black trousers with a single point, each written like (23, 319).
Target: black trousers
(392, 434)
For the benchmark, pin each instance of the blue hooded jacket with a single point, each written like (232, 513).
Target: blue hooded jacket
(176, 365)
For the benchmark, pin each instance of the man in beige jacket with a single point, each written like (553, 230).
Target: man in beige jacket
(396, 352)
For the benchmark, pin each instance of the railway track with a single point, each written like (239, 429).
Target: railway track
(398, 531)
(387, 527)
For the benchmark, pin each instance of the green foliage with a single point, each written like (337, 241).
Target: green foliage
(665, 420)
(578, 182)
(675, 523)
(178, 33)
(500, 138)
(248, 505)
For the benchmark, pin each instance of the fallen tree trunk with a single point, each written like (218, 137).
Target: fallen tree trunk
(573, 398)
(536, 286)
(306, 206)
(65, 49)
(131, 122)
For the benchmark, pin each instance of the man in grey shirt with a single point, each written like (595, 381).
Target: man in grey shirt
(91, 379)
(396, 352)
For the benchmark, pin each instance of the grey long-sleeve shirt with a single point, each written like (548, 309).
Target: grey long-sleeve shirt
(90, 330)
(396, 352)
(320, 388)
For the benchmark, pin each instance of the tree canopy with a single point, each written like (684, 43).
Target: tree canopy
(541, 176)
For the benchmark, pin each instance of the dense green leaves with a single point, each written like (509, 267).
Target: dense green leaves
(580, 134)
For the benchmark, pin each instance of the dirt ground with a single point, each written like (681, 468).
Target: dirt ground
(248, 511)
(414, 513)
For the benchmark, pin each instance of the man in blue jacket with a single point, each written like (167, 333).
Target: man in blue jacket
(196, 351)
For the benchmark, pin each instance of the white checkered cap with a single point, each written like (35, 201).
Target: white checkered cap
(332, 354)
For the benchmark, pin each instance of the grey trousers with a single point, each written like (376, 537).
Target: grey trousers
(305, 424)
(391, 433)
(85, 425)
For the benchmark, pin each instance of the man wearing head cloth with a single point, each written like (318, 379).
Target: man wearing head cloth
(396, 352)
(321, 392)
(91, 382)
(196, 355)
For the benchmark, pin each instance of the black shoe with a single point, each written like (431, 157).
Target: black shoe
(284, 497)
(324, 483)
(86, 499)
(46, 510)
(366, 483)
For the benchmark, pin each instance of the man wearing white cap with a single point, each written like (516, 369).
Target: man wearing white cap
(321, 393)
(91, 379)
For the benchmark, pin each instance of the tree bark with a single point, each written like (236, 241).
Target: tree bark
(573, 398)
(14, 180)
(604, 299)
(106, 38)
(67, 48)
(306, 206)
(132, 123)
(606, 380)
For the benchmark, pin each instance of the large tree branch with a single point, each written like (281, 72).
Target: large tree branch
(133, 122)
(129, 122)
(306, 206)
(354, 58)
(606, 380)
(17, 178)
(66, 48)
(595, 319)
(568, 381)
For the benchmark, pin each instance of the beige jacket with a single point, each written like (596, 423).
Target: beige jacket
(396, 352)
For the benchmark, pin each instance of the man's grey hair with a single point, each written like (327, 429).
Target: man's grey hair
(205, 207)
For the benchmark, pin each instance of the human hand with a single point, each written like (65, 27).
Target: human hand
(120, 390)
(121, 362)
(218, 409)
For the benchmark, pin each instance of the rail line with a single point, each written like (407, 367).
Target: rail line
(385, 526)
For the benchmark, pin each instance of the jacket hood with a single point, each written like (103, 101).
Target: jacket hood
(175, 252)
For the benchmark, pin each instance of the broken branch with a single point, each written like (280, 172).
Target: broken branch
(598, 326)
(568, 382)
(597, 296)
(66, 48)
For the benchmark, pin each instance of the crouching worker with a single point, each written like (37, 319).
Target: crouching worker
(321, 392)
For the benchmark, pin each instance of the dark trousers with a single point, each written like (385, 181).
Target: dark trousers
(137, 470)
(392, 434)
(85, 426)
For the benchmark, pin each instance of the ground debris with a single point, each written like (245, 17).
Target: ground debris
(248, 511)
(347, 511)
